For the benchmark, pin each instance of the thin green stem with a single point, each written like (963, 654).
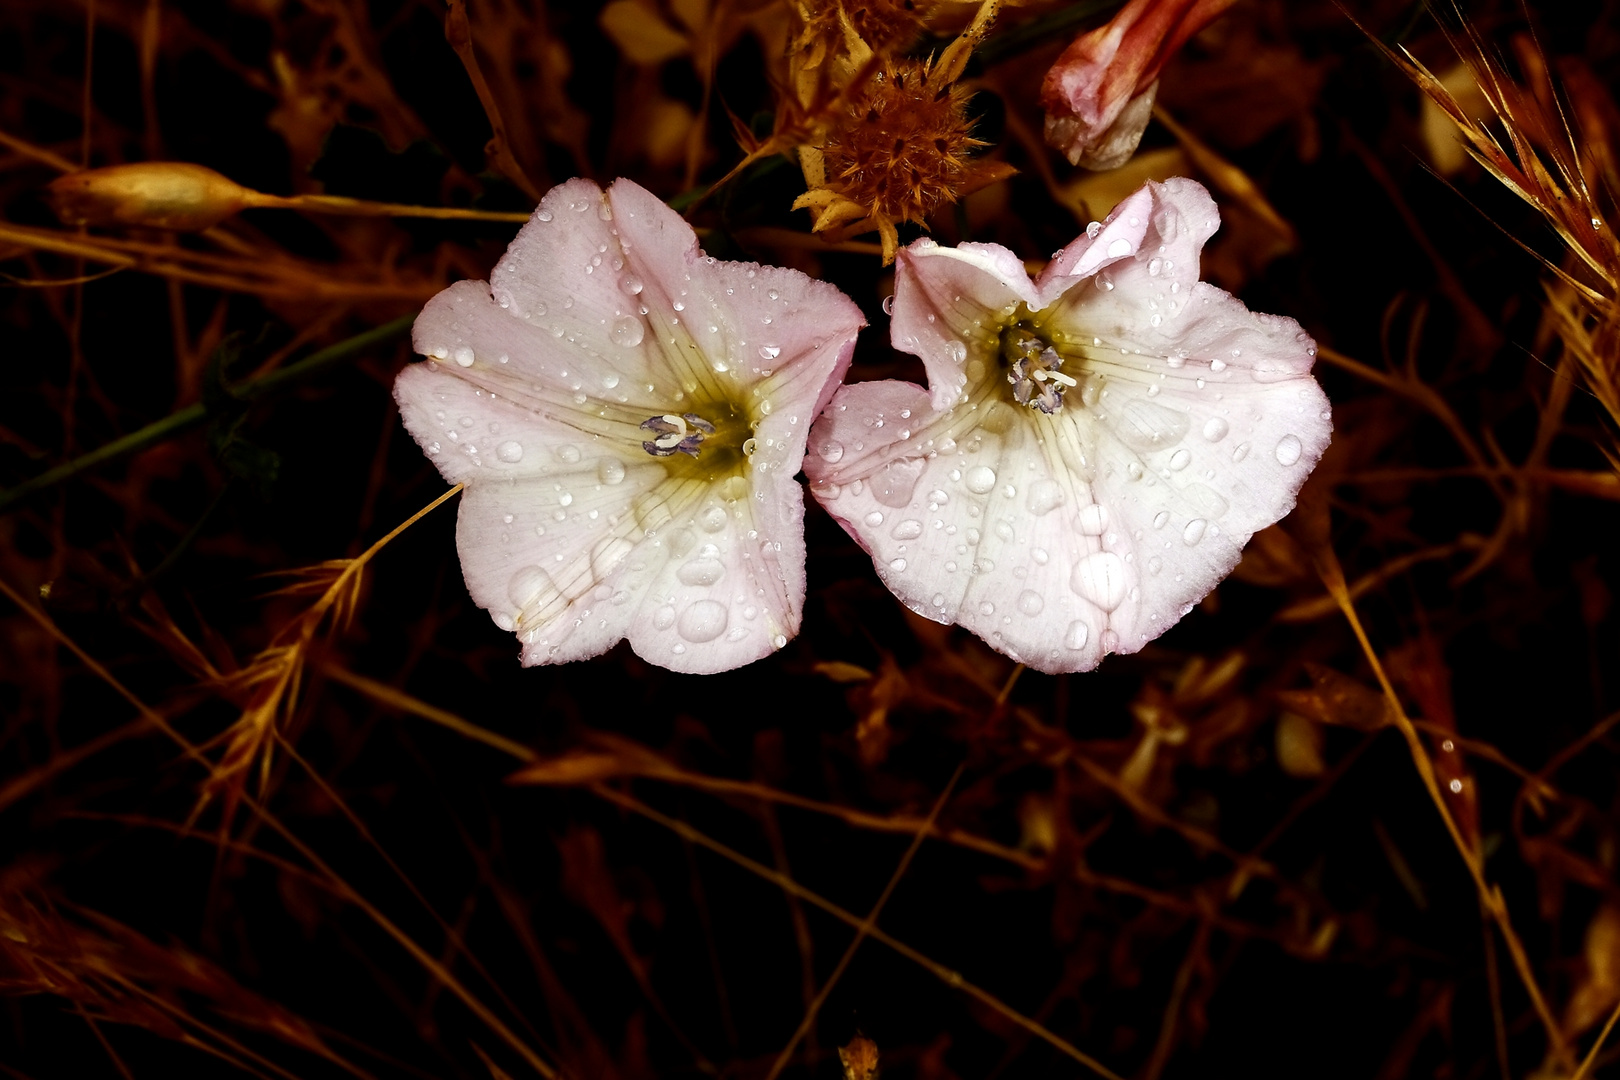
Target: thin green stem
(193, 415)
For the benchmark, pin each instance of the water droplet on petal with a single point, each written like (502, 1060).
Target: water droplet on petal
(627, 331)
(664, 617)
(980, 479)
(1179, 460)
(958, 350)
(831, 452)
(1093, 519)
(542, 215)
(1216, 428)
(894, 483)
(464, 356)
(510, 451)
(610, 471)
(531, 586)
(704, 620)
(1288, 450)
(568, 454)
(1045, 496)
(888, 304)
(898, 566)
(712, 519)
(1194, 531)
(1075, 637)
(909, 529)
(769, 352)
(1030, 602)
(874, 519)
(1100, 578)
(701, 571)
(1119, 247)
(1093, 229)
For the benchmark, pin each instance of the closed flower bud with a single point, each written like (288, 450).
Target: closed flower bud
(149, 194)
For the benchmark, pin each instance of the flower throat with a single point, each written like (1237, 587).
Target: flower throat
(1034, 368)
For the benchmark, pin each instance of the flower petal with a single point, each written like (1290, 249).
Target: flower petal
(1061, 537)
(944, 298)
(602, 314)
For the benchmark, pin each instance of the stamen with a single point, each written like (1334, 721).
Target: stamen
(673, 435)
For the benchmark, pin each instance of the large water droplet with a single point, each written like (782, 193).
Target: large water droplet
(909, 529)
(531, 587)
(957, 350)
(568, 454)
(888, 304)
(1180, 460)
(831, 452)
(702, 621)
(1146, 425)
(1030, 602)
(1075, 637)
(464, 356)
(701, 572)
(712, 519)
(1215, 428)
(610, 471)
(1120, 246)
(1044, 497)
(980, 479)
(895, 482)
(874, 519)
(1288, 450)
(1093, 519)
(1194, 531)
(664, 618)
(510, 451)
(627, 331)
(1100, 578)
(631, 284)
(769, 352)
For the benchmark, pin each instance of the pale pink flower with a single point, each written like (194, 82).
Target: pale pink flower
(1099, 95)
(1095, 447)
(628, 416)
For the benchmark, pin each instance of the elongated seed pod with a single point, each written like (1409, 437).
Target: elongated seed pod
(151, 194)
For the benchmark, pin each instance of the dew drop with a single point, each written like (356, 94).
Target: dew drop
(1030, 602)
(568, 454)
(1194, 531)
(530, 586)
(769, 352)
(701, 572)
(1120, 247)
(1093, 519)
(1179, 460)
(627, 331)
(702, 621)
(1044, 497)
(510, 451)
(631, 284)
(542, 215)
(664, 618)
(987, 608)
(712, 519)
(957, 350)
(610, 471)
(1100, 578)
(909, 529)
(831, 452)
(1216, 428)
(980, 479)
(874, 519)
(888, 304)
(898, 566)
(1288, 450)
(464, 356)
(1161, 519)
(1076, 636)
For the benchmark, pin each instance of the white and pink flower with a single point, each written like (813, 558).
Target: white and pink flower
(1095, 446)
(628, 416)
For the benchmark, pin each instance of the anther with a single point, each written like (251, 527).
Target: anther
(675, 434)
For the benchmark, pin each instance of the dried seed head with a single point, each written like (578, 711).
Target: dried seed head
(148, 194)
(902, 149)
(888, 26)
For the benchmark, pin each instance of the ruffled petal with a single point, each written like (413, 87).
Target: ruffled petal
(605, 313)
(1061, 537)
(944, 301)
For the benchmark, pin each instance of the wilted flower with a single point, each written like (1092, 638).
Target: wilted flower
(1099, 95)
(900, 147)
(628, 416)
(1095, 447)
